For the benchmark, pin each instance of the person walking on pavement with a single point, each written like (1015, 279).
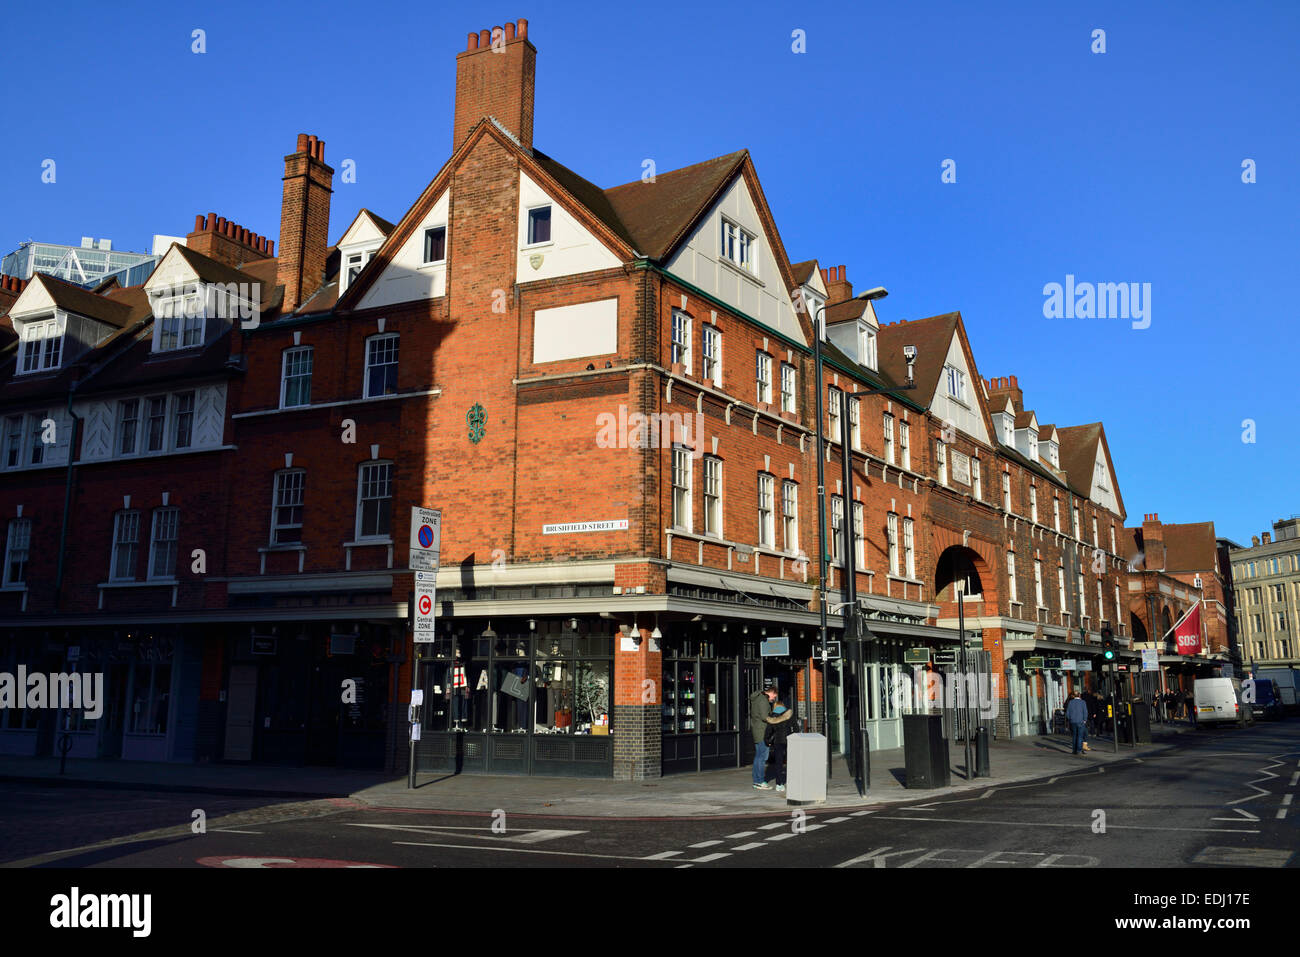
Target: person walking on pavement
(760, 717)
(1076, 712)
(1093, 704)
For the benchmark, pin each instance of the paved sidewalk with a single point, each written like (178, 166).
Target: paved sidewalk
(713, 793)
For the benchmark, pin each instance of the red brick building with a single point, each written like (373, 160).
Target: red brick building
(611, 396)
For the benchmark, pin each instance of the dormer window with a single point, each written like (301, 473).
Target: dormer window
(1054, 455)
(1033, 446)
(867, 346)
(1008, 429)
(737, 246)
(179, 313)
(42, 345)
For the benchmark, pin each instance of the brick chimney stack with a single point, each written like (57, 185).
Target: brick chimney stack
(227, 242)
(1268, 538)
(838, 289)
(495, 75)
(1153, 541)
(1008, 386)
(304, 221)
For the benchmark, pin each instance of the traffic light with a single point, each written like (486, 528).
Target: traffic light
(1108, 644)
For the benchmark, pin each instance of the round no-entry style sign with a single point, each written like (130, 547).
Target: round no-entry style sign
(426, 604)
(426, 536)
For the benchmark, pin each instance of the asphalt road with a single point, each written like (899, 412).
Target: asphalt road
(1218, 799)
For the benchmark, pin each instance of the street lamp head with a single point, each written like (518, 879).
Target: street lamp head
(878, 292)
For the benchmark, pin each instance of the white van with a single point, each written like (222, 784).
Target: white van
(1217, 700)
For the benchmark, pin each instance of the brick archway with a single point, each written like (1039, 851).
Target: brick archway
(980, 553)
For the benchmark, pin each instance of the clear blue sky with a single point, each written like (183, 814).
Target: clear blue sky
(1115, 167)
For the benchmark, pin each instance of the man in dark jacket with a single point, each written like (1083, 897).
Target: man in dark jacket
(1076, 712)
(760, 710)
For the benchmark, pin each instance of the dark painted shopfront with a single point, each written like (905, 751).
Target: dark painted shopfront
(518, 696)
(313, 693)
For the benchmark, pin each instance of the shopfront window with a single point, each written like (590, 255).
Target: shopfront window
(150, 699)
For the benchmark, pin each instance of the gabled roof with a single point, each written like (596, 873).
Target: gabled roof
(1047, 433)
(381, 224)
(209, 270)
(1079, 454)
(657, 215)
(803, 271)
(83, 302)
(588, 194)
(931, 336)
(850, 310)
(1026, 419)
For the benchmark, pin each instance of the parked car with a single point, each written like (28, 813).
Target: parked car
(1264, 698)
(1218, 701)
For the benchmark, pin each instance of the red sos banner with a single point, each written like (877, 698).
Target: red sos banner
(1187, 633)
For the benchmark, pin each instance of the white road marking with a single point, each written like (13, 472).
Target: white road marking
(775, 824)
(708, 857)
(1294, 778)
(782, 837)
(876, 857)
(231, 830)
(1245, 816)
(1286, 798)
(812, 827)
(740, 834)
(836, 820)
(703, 844)
(1243, 857)
(530, 836)
(524, 850)
(680, 866)
(860, 813)
(1109, 826)
(749, 847)
(662, 855)
(1281, 814)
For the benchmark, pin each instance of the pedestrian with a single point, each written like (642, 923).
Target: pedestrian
(779, 728)
(1094, 713)
(1076, 712)
(760, 717)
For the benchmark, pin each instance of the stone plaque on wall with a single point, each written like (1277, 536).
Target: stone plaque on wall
(961, 468)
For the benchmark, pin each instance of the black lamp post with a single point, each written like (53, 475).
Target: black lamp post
(860, 746)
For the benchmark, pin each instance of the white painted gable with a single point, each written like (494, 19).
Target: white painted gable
(363, 232)
(964, 417)
(572, 248)
(699, 261)
(1103, 486)
(172, 272)
(408, 277)
(33, 301)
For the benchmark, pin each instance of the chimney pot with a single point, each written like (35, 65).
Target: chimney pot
(270, 248)
(523, 29)
(302, 143)
(320, 150)
(498, 34)
(210, 223)
(198, 223)
(472, 44)
(484, 38)
(510, 32)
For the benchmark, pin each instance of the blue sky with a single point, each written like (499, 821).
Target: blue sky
(1123, 166)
